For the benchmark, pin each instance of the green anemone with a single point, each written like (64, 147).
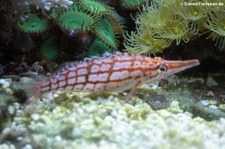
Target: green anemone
(50, 49)
(131, 4)
(33, 24)
(216, 24)
(98, 48)
(94, 6)
(105, 33)
(142, 42)
(75, 19)
(117, 23)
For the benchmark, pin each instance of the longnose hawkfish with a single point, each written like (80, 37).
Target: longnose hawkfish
(115, 72)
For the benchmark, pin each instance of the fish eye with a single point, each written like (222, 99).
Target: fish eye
(162, 68)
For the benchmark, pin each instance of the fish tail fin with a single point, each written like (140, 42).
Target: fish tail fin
(31, 87)
(32, 90)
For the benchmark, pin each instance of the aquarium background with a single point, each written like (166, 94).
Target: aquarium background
(186, 110)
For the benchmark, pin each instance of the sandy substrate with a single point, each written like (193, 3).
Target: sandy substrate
(107, 121)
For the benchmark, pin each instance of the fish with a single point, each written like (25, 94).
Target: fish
(115, 72)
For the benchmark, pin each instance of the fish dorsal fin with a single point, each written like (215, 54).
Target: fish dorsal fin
(65, 66)
(106, 54)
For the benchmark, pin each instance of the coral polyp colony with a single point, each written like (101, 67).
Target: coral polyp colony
(97, 48)
(94, 7)
(216, 24)
(159, 24)
(75, 19)
(105, 33)
(72, 23)
(143, 42)
(131, 4)
(164, 22)
(31, 23)
(175, 29)
(50, 49)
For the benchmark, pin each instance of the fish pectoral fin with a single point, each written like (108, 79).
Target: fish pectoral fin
(130, 94)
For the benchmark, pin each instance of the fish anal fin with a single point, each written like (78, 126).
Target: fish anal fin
(131, 93)
(65, 66)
